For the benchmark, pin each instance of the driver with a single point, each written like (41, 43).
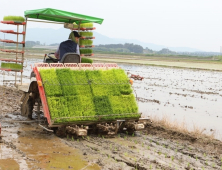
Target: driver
(70, 45)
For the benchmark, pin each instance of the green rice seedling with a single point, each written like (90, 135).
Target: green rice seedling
(83, 25)
(151, 166)
(88, 107)
(122, 81)
(86, 51)
(72, 138)
(188, 164)
(102, 106)
(172, 158)
(85, 42)
(50, 81)
(63, 106)
(86, 34)
(13, 66)
(133, 134)
(66, 81)
(102, 82)
(74, 106)
(86, 25)
(14, 18)
(58, 107)
(124, 104)
(86, 60)
(81, 82)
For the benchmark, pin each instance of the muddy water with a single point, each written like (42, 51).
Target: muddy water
(186, 96)
(28, 147)
(10, 160)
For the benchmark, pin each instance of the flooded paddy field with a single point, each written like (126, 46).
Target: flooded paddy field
(185, 96)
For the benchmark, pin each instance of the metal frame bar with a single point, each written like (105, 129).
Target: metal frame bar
(42, 96)
(46, 22)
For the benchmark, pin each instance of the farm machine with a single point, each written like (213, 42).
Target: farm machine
(72, 97)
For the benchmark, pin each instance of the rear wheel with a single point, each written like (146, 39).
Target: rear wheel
(27, 106)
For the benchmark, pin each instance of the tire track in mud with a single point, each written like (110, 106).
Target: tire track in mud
(142, 151)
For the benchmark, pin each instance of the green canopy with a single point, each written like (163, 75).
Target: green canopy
(60, 16)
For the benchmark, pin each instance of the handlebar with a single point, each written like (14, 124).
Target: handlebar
(49, 56)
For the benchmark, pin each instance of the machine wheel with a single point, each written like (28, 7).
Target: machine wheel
(32, 74)
(27, 106)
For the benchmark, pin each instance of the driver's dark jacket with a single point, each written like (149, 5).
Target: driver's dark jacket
(66, 47)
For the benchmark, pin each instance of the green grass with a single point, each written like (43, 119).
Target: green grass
(13, 66)
(14, 18)
(73, 94)
(86, 60)
(85, 42)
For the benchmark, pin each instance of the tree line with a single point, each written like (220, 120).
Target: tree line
(130, 47)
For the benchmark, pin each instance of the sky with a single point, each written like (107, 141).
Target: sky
(172, 23)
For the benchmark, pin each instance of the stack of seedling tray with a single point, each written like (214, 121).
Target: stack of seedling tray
(88, 95)
(86, 42)
(17, 63)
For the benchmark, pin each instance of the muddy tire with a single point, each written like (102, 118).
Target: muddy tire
(27, 106)
(32, 74)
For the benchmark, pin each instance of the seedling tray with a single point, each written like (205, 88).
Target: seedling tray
(9, 60)
(8, 69)
(87, 37)
(11, 41)
(85, 29)
(13, 22)
(12, 32)
(12, 51)
(86, 54)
